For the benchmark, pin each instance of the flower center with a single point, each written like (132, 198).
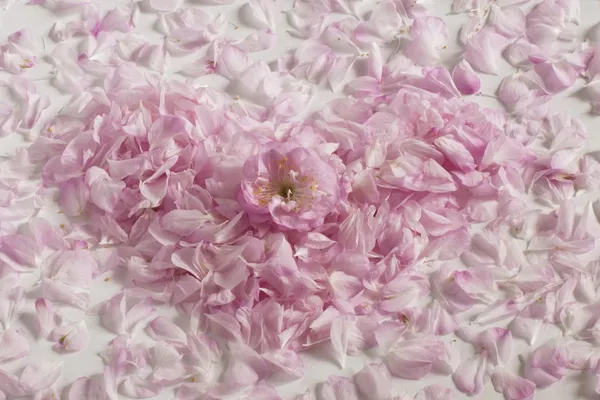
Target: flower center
(286, 190)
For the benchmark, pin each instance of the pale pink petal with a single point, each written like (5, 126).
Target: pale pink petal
(456, 153)
(517, 53)
(413, 359)
(13, 345)
(104, 191)
(86, 388)
(73, 197)
(471, 375)
(286, 361)
(465, 79)
(161, 328)
(46, 317)
(430, 35)
(511, 386)
(483, 51)
(556, 76)
(375, 62)
(139, 388)
(245, 366)
(259, 13)
(71, 337)
(41, 375)
(548, 363)
(47, 235)
(508, 21)
(440, 80)
(258, 41)
(339, 335)
(339, 70)
(435, 392)
(166, 362)
(18, 252)
(60, 292)
(232, 61)
(11, 303)
(338, 388)
(374, 382)
(11, 386)
(526, 328)
(124, 313)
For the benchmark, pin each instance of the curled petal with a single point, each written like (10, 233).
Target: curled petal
(72, 337)
(465, 79)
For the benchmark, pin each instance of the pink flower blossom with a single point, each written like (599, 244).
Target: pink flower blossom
(294, 186)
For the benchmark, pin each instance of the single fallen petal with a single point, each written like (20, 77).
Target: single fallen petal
(161, 328)
(374, 382)
(39, 376)
(71, 337)
(338, 388)
(13, 345)
(465, 79)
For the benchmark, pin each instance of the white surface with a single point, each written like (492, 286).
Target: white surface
(318, 365)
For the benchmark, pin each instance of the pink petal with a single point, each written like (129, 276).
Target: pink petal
(440, 79)
(375, 62)
(245, 366)
(339, 70)
(104, 191)
(39, 376)
(10, 385)
(471, 375)
(430, 35)
(10, 305)
(556, 76)
(498, 343)
(59, 292)
(46, 235)
(138, 388)
(232, 61)
(517, 53)
(413, 359)
(465, 79)
(339, 335)
(548, 364)
(285, 361)
(259, 14)
(123, 313)
(508, 21)
(46, 317)
(435, 392)
(456, 153)
(72, 337)
(513, 387)
(374, 382)
(338, 388)
(86, 388)
(161, 328)
(13, 345)
(258, 41)
(73, 197)
(18, 252)
(74, 268)
(483, 51)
